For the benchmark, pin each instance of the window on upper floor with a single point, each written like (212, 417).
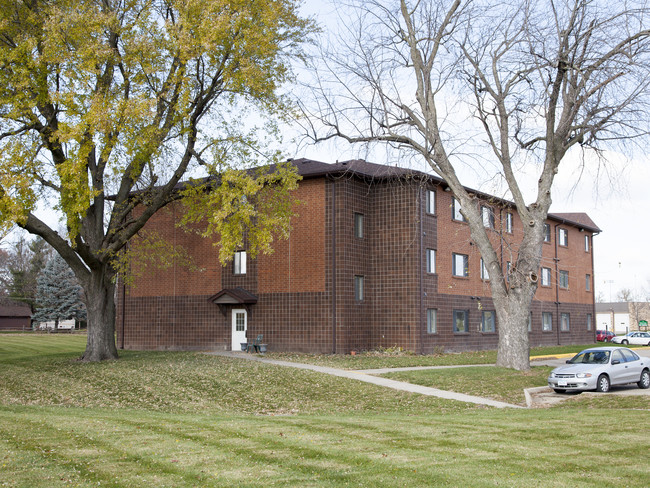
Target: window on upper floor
(547, 233)
(460, 265)
(487, 214)
(509, 222)
(431, 202)
(563, 279)
(588, 282)
(432, 321)
(564, 322)
(455, 211)
(358, 225)
(546, 277)
(358, 288)
(239, 263)
(431, 260)
(563, 237)
(485, 275)
(461, 321)
(488, 321)
(547, 321)
(587, 243)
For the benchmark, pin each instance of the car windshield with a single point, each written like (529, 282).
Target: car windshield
(591, 357)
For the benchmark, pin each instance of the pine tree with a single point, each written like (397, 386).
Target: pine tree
(58, 294)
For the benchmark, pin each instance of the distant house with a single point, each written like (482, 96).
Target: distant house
(15, 315)
(623, 317)
(378, 256)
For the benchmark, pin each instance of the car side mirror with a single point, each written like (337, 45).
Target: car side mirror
(568, 361)
(616, 361)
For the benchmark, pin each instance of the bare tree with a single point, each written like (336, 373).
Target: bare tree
(540, 77)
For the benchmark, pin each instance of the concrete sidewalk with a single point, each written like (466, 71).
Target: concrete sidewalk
(366, 376)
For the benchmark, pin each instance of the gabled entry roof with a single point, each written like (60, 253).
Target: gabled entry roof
(233, 296)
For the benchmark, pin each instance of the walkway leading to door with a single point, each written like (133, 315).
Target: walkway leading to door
(366, 377)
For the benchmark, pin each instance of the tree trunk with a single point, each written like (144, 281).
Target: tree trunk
(100, 305)
(512, 314)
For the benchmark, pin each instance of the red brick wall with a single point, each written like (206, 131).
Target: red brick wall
(298, 264)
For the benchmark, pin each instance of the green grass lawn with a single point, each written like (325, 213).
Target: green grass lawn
(192, 420)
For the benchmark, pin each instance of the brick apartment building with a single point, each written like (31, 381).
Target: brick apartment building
(378, 257)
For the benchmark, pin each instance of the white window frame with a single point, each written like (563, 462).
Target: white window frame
(587, 282)
(547, 233)
(455, 211)
(563, 237)
(463, 261)
(239, 263)
(509, 222)
(485, 274)
(547, 321)
(432, 321)
(431, 261)
(587, 246)
(431, 202)
(546, 277)
(487, 216)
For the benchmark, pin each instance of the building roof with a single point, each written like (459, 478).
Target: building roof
(233, 296)
(308, 168)
(12, 308)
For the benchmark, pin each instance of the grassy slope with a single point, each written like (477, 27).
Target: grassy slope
(183, 419)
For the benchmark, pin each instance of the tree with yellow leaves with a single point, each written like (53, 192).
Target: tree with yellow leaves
(105, 106)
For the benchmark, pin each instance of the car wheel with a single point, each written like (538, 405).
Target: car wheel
(644, 382)
(603, 383)
(625, 342)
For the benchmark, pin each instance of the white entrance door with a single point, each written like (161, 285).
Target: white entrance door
(238, 328)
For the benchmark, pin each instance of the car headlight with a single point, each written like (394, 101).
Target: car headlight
(583, 375)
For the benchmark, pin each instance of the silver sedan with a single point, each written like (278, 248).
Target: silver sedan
(600, 368)
(642, 338)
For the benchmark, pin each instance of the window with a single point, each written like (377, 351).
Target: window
(432, 320)
(509, 222)
(587, 244)
(588, 282)
(547, 321)
(508, 271)
(460, 265)
(431, 202)
(564, 322)
(547, 233)
(588, 321)
(484, 271)
(358, 288)
(564, 279)
(358, 225)
(488, 321)
(461, 320)
(455, 211)
(487, 214)
(530, 322)
(546, 276)
(239, 267)
(431, 260)
(563, 237)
